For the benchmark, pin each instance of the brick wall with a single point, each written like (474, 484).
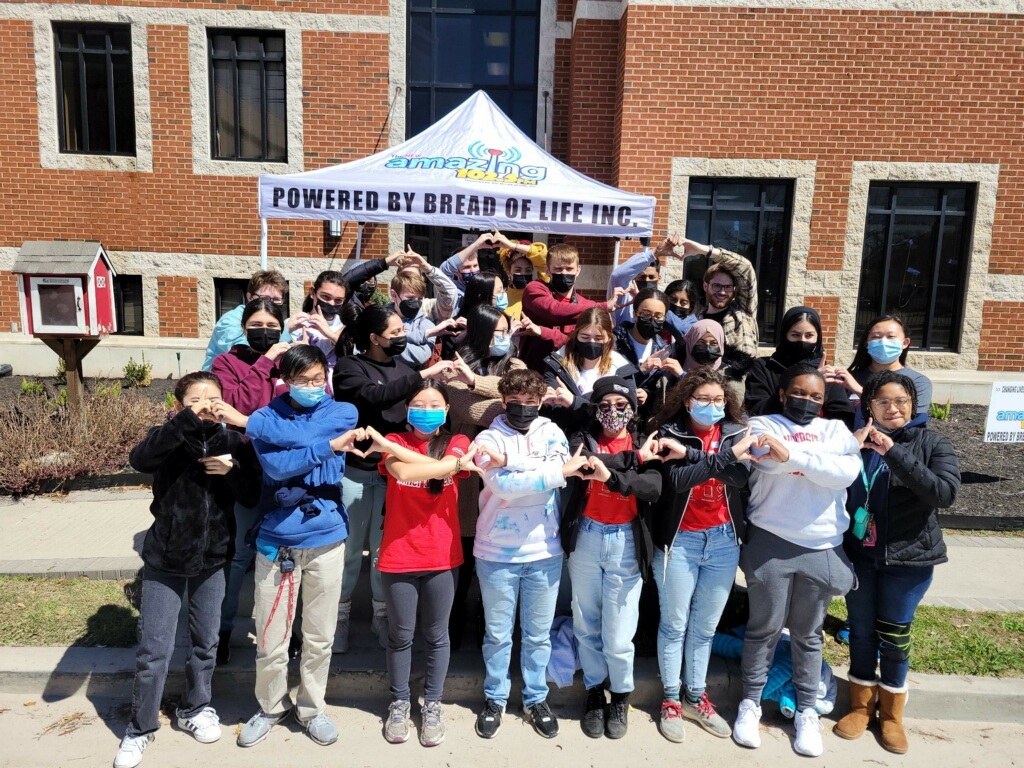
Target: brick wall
(1002, 337)
(177, 299)
(827, 308)
(10, 312)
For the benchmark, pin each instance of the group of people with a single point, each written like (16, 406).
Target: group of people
(511, 428)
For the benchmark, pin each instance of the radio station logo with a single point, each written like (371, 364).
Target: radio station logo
(500, 166)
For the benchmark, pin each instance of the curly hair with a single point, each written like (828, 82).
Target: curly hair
(878, 381)
(522, 381)
(675, 403)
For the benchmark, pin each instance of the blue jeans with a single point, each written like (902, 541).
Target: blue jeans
(162, 595)
(606, 585)
(534, 586)
(889, 594)
(246, 518)
(693, 587)
(362, 492)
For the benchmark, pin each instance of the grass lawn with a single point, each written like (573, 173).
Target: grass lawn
(947, 641)
(41, 611)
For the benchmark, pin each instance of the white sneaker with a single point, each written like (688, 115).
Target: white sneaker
(204, 725)
(746, 730)
(379, 623)
(132, 746)
(808, 733)
(341, 631)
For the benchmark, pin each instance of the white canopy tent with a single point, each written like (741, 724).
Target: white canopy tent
(473, 169)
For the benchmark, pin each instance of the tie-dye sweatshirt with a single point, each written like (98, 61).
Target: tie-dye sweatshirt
(519, 510)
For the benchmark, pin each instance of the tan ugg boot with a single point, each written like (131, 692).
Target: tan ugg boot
(891, 702)
(863, 700)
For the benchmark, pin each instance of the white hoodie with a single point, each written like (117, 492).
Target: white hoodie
(804, 499)
(519, 511)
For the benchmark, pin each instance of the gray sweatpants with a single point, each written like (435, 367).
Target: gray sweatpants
(433, 593)
(789, 586)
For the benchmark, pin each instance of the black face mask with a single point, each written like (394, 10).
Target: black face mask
(679, 311)
(366, 291)
(800, 410)
(706, 354)
(521, 416)
(643, 285)
(410, 307)
(521, 281)
(329, 311)
(590, 350)
(792, 352)
(262, 339)
(648, 329)
(396, 346)
(562, 283)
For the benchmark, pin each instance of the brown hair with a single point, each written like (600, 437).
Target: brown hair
(598, 316)
(563, 252)
(265, 277)
(716, 269)
(409, 281)
(675, 403)
(522, 381)
(186, 382)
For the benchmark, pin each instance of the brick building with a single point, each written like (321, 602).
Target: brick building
(865, 155)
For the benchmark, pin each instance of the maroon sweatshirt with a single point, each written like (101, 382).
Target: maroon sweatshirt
(248, 379)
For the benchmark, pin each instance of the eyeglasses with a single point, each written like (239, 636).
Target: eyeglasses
(899, 402)
(307, 383)
(645, 315)
(721, 288)
(607, 407)
(276, 302)
(706, 401)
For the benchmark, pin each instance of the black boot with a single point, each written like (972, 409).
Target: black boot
(618, 716)
(593, 712)
(224, 647)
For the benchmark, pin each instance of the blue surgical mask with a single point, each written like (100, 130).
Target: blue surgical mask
(307, 397)
(708, 415)
(500, 345)
(427, 420)
(502, 301)
(885, 351)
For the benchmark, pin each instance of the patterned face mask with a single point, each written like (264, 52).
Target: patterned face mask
(613, 419)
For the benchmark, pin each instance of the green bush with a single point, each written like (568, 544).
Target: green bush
(35, 388)
(170, 400)
(940, 412)
(62, 373)
(113, 389)
(138, 374)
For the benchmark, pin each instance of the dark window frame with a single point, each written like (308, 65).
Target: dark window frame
(109, 51)
(219, 284)
(416, 82)
(760, 209)
(235, 57)
(892, 211)
(119, 285)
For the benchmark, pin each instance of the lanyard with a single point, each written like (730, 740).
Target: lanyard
(869, 483)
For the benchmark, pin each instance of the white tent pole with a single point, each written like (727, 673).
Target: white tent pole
(615, 258)
(359, 242)
(263, 244)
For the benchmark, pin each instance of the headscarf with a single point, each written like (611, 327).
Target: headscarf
(787, 352)
(693, 336)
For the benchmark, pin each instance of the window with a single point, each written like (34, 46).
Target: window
(228, 293)
(916, 243)
(128, 305)
(247, 95)
(750, 217)
(95, 102)
(457, 47)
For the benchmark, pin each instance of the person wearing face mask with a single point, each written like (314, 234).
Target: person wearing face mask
(572, 371)
(642, 272)
(801, 343)
(793, 559)
(423, 319)
(883, 346)
(685, 304)
(319, 323)
(643, 344)
(604, 532)
(518, 551)
(908, 474)
(697, 527)
(229, 331)
(461, 267)
(377, 382)
(361, 280)
(519, 260)
(702, 345)
(300, 440)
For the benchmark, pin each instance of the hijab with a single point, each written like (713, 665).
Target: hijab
(788, 352)
(693, 336)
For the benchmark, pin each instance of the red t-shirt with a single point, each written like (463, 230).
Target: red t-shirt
(707, 507)
(604, 505)
(421, 531)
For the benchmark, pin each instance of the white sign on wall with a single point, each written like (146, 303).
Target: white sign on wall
(1005, 423)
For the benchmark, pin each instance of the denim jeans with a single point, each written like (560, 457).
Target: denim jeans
(887, 593)
(534, 586)
(362, 492)
(694, 582)
(162, 595)
(245, 519)
(606, 586)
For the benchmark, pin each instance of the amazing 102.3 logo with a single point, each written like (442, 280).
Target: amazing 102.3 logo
(500, 166)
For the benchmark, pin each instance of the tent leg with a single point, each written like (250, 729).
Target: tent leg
(615, 258)
(359, 242)
(263, 244)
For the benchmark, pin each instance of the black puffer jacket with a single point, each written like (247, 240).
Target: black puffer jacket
(681, 477)
(761, 393)
(193, 527)
(923, 477)
(629, 478)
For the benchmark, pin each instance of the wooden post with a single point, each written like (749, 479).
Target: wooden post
(72, 350)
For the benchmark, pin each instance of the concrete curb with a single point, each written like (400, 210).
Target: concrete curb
(56, 673)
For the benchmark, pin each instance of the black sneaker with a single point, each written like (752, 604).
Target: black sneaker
(617, 719)
(224, 648)
(593, 712)
(488, 722)
(543, 719)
